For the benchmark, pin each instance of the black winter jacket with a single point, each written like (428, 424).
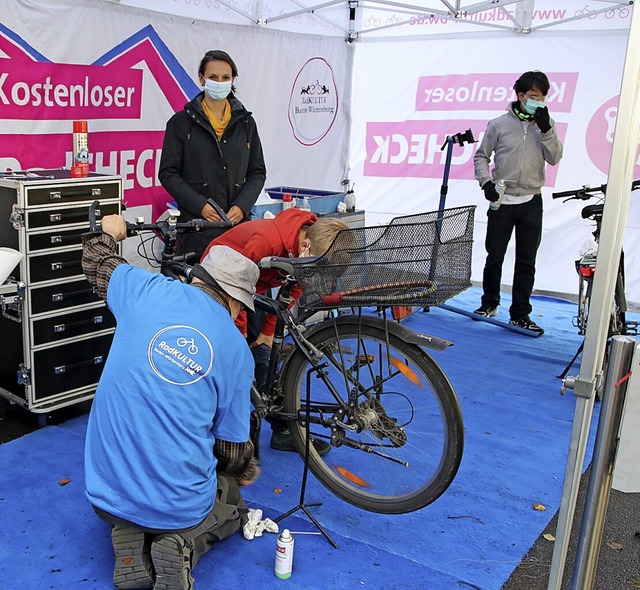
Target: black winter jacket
(195, 166)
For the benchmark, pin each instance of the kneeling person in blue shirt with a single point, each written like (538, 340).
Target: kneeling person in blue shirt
(167, 443)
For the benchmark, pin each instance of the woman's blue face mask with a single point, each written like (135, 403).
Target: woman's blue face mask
(217, 90)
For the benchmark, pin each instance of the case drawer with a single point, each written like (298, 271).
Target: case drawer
(53, 266)
(69, 366)
(71, 193)
(58, 297)
(71, 325)
(49, 218)
(56, 239)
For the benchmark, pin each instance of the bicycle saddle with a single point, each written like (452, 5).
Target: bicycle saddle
(592, 211)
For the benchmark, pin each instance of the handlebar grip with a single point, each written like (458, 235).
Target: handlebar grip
(635, 185)
(93, 225)
(220, 212)
(276, 262)
(563, 194)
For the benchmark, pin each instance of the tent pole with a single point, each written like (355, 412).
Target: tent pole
(623, 161)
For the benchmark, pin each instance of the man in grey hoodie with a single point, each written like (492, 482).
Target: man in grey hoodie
(521, 142)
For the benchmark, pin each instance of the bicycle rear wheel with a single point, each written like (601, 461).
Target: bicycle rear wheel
(397, 441)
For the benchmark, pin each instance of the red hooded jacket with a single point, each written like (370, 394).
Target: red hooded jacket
(262, 238)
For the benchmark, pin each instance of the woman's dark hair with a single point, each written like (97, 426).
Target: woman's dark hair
(218, 55)
(530, 80)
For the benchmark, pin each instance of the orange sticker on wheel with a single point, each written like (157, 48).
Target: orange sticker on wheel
(352, 477)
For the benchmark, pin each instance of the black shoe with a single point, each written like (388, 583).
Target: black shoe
(133, 567)
(171, 555)
(281, 441)
(487, 311)
(527, 324)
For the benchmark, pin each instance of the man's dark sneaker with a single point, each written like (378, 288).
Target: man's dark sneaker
(487, 311)
(527, 324)
(171, 555)
(133, 567)
(281, 441)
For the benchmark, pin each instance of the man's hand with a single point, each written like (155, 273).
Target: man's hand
(490, 192)
(115, 226)
(250, 474)
(541, 117)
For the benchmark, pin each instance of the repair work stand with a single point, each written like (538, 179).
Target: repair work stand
(303, 487)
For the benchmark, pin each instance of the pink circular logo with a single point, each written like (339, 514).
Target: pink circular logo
(313, 105)
(600, 131)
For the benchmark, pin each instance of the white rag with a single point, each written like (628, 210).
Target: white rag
(256, 525)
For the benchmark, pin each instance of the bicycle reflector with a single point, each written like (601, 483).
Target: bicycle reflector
(587, 271)
(352, 477)
(406, 371)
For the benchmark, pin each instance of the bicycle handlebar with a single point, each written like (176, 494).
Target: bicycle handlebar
(586, 192)
(282, 263)
(195, 225)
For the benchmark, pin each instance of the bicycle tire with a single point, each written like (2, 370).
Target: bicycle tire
(417, 419)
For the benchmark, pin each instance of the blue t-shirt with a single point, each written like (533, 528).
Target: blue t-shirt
(177, 377)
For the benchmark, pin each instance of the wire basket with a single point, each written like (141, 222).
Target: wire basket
(421, 259)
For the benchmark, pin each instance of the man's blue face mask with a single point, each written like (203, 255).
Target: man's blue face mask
(531, 105)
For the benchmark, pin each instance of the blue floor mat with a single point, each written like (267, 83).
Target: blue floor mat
(517, 429)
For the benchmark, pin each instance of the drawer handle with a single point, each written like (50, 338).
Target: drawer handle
(70, 217)
(94, 192)
(62, 327)
(56, 239)
(57, 297)
(61, 265)
(96, 360)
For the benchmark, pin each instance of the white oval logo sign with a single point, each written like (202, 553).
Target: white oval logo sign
(313, 105)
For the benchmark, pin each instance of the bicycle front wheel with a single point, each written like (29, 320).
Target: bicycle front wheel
(387, 408)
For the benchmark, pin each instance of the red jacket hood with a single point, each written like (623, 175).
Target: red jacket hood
(261, 238)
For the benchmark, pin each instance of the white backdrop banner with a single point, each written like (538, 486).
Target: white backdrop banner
(127, 70)
(426, 91)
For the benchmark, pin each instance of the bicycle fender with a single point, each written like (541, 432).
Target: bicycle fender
(426, 340)
(405, 334)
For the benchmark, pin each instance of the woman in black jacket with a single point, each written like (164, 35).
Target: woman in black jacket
(212, 150)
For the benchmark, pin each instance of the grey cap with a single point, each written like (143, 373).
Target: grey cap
(235, 273)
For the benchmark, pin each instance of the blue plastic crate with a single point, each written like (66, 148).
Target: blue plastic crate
(321, 201)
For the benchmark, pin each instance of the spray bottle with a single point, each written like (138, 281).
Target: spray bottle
(501, 186)
(80, 149)
(284, 555)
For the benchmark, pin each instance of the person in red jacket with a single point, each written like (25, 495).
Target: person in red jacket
(292, 233)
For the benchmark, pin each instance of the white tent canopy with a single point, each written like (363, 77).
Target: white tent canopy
(371, 19)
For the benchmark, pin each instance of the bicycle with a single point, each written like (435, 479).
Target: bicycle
(359, 380)
(586, 268)
(586, 265)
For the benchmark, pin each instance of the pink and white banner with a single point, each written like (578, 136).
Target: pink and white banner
(432, 90)
(127, 70)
